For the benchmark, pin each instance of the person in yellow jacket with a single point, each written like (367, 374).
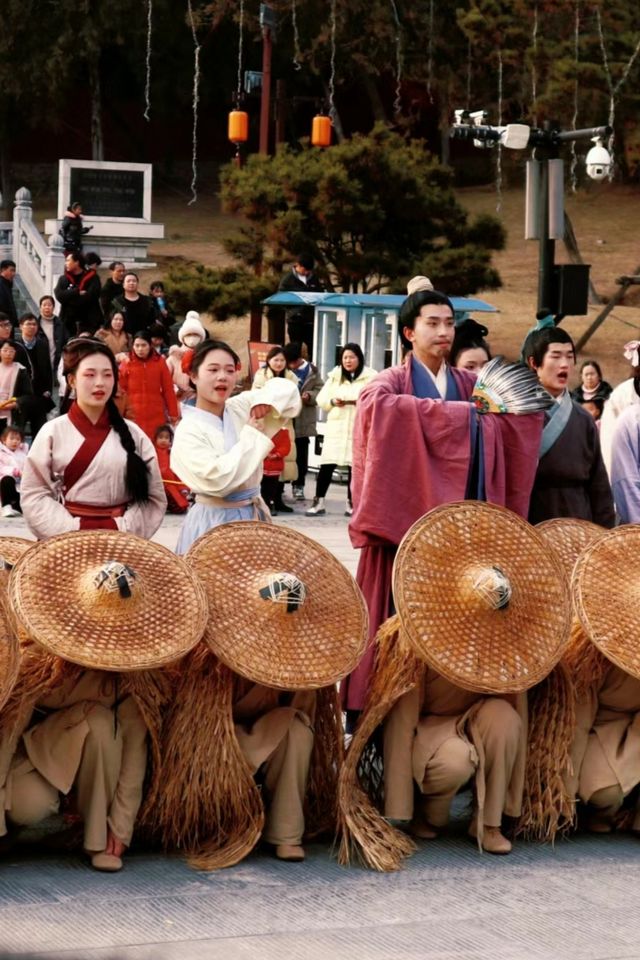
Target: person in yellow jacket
(339, 396)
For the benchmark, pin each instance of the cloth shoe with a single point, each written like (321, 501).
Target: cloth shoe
(106, 862)
(281, 507)
(8, 511)
(317, 510)
(298, 493)
(348, 512)
(290, 851)
(493, 840)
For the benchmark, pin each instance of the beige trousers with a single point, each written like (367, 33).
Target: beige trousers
(33, 798)
(286, 773)
(455, 762)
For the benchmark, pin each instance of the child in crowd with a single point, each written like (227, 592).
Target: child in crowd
(594, 406)
(272, 467)
(175, 490)
(13, 453)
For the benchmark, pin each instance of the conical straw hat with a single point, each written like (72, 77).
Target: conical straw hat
(107, 600)
(9, 655)
(606, 595)
(569, 537)
(283, 611)
(481, 597)
(12, 548)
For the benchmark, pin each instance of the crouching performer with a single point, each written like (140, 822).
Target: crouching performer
(88, 699)
(605, 770)
(475, 630)
(259, 700)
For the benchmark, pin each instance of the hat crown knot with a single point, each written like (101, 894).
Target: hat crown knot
(113, 576)
(284, 588)
(492, 584)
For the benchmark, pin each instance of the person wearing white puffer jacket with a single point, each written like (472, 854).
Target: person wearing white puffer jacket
(190, 334)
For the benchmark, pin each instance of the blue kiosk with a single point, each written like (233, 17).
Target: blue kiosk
(365, 318)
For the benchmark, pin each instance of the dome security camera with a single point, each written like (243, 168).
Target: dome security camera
(598, 161)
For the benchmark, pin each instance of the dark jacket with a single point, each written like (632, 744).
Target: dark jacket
(292, 282)
(60, 337)
(79, 298)
(7, 303)
(603, 393)
(110, 290)
(305, 423)
(38, 365)
(138, 314)
(72, 231)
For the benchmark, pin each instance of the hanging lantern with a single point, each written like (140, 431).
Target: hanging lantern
(321, 131)
(238, 126)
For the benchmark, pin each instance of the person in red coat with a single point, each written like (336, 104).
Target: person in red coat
(146, 380)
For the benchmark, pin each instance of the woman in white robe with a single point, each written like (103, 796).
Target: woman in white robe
(220, 444)
(91, 469)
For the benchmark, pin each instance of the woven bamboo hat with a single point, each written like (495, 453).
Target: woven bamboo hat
(107, 600)
(283, 611)
(569, 537)
(481, 597)
(9, 655)
(606, 595)
(12, 548)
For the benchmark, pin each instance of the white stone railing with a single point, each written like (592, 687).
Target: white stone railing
(38, 263)
(6, 239)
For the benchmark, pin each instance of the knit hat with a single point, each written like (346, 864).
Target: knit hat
(419, 283)
(191, 325)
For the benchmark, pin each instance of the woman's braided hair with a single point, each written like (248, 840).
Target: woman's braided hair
(137, 472)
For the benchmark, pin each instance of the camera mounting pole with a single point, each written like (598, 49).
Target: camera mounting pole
(561, 289)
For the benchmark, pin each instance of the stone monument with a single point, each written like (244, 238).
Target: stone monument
(116, 202)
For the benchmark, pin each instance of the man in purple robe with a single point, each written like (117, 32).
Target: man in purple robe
(419, 443)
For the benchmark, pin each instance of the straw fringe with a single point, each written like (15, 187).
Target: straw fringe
(585, 662)
(321, 801)
(206, 783)
(365, 835)
(548, 809)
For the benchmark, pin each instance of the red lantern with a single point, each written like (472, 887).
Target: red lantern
(238, 126)
(321, 131)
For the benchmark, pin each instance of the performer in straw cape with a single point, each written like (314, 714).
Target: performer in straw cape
(220, 443)
(420, 441)
(286, 622)
(90, 469)
(89, 697)
(474, 631)
(605, 769)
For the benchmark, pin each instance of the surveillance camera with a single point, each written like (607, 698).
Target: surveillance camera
(598, 161)
(479, 117)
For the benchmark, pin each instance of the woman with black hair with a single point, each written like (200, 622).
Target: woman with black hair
(339, 396)
(90, 468)
(220, 444)
(470, 351)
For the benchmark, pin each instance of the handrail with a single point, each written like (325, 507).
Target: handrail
(38, 263)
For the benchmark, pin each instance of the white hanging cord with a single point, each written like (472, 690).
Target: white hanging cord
(534, 64)
(397, 103)
(574, 120)
(499, 153)
(332, 78)
(613, 89)
(147, 85)
(430, 49)
(196, 98)
(240, 46)
(297, 53)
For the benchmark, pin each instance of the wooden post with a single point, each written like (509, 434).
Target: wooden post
(624, 282)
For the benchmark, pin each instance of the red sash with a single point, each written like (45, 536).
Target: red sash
(94, 435)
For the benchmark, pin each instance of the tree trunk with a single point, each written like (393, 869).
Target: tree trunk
(5, 177)
(377, 106)
(97, 143)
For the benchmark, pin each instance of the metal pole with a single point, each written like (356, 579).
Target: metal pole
(547, 246)
(265, 103)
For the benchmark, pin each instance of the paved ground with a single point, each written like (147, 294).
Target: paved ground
(579, 901)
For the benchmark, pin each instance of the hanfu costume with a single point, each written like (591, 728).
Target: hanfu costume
(625, 465)
(74, 479)
(571, 480)
(419, 443)
(220, 458)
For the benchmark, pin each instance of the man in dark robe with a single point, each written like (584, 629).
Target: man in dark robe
(571, 480)
(419, 443)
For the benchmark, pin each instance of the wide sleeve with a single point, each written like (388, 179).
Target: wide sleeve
(206, 470)
(143, 519)
(279, 393)
(45, 515)
(625, 470)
